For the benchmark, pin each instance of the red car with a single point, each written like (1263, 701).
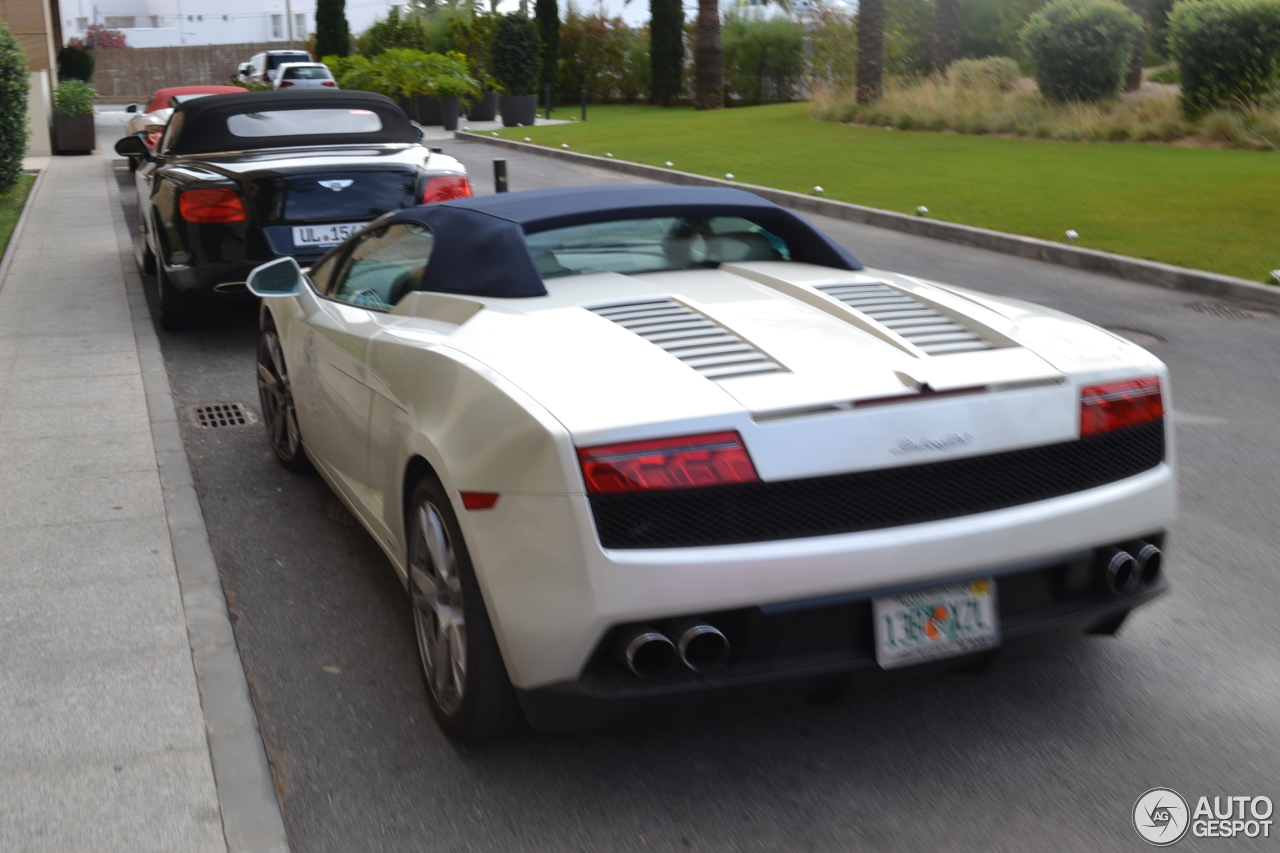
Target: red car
(152, 119)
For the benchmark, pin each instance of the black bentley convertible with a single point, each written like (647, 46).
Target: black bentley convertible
(238, 180)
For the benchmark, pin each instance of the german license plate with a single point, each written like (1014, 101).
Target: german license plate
(324, 235)
(940, 622)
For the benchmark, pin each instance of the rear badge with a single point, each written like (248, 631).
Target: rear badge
(338, 185)
(951, 441)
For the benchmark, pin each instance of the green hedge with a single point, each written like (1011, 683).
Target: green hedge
(14, 86)
(1079, 49)
(1228, 51)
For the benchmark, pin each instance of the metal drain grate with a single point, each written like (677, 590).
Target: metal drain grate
(1231, 312)
(209, 415)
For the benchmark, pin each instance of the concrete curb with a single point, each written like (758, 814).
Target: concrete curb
(17, 229)
(1090, 260)
(251, 818)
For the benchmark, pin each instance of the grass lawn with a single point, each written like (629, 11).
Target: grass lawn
(1211, 209)
(11, 208)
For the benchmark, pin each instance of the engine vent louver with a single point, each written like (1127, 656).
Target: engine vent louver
(704, 345)
(920, 325)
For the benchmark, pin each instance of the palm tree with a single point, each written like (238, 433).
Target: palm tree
(708, 58)
(870, 50)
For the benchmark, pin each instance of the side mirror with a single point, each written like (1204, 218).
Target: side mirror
(132, 146)
(132, 108)
(281, 277)
(418, 130)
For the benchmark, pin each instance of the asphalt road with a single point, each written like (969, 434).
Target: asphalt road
(1047, 750)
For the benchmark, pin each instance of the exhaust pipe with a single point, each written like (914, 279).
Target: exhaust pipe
(1149, 560)
(1120, 571)
(702, 647)
(644, 651)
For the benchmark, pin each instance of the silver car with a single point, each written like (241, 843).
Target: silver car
(304, 75)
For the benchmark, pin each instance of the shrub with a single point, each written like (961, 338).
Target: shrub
(473, 36)
(393, 32)
(98, 37)
(517, 61)
(594, 51)
(73, 98)
(763, 57)
(1228, 51)
(1079, 49)
(14, 86)
(75, 64)
(998, 73)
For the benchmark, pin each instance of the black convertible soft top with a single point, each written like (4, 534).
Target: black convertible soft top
(204, 128)
(481, 250)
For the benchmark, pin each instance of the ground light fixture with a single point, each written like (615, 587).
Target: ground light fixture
(922, 211)
(564, 145)
(608, 154)
(728, 176)
(1275, 276)
(818, 190)
(528, 139)
(670, 164)
(1072, 235)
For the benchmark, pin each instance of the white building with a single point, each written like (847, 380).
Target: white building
(164, 23)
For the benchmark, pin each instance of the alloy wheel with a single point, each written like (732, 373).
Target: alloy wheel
(438, 618)
(277, 400)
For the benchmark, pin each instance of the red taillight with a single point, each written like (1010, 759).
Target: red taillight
(328, 83)
(284, 84)
(716, 459)
(479, 500)
(1117, 405)
(217, 205)
(446, 187)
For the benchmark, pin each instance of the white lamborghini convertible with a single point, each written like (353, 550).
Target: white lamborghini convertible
(635, 447)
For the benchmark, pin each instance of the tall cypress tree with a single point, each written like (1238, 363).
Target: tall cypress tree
(333, 38)
(666, 49)
(547, 14)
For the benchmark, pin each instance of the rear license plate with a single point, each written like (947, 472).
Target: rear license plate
(940, 622)
(324, 235)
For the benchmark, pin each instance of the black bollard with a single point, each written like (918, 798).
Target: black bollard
(584, 101)
(499, 175)
(546, 99)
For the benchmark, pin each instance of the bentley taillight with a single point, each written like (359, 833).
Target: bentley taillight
(212, 205)
(714, 459)
(1116, 405)
(445, 188)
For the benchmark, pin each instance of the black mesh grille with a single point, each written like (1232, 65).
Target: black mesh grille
(867, 500)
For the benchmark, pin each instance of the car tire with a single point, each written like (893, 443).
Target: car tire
(173, 309)
(466, 680)
(275, 395)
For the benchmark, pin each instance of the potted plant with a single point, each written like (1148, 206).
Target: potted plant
(448, 80)
(517, 66)
(73, 117)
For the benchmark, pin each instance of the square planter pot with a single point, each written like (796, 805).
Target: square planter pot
(518, 109)
(74, 134)
(426, 110)
(484, 108)
(449, 112)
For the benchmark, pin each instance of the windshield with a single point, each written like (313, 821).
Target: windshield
(307, 72)
(303, 122)
(653, 245)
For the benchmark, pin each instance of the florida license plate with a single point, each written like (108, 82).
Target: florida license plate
(324, 235)
(940, 622)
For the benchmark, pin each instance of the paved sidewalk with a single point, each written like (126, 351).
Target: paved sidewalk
(104, 744)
